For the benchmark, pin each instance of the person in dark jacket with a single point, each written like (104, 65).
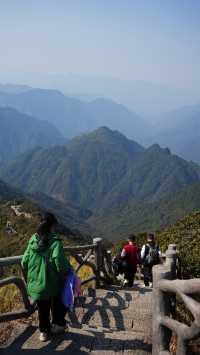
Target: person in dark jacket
(45, 267)
(150, 256)
(130, 257)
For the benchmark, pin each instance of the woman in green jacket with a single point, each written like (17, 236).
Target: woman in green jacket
(45, 267)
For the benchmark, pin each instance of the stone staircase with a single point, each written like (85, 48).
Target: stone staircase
(106, 321)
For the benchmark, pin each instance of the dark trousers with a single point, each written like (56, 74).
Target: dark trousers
(147, 272)
(129, 275)
(58, 312)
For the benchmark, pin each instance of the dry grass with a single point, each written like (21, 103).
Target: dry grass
(194, 346)
(10, 298)
(84, 273)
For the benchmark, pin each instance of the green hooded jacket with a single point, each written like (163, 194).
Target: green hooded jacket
(44, 267)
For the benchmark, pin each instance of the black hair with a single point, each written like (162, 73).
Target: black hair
(132, 237)
(151, 236)
(48, 220)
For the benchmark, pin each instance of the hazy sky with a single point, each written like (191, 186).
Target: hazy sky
(156, 40)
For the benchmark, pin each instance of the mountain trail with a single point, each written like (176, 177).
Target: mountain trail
(18, 211)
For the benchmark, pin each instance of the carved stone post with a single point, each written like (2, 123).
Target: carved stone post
(171, 260)
(171, 263)
(98, 254)
(160, 335)
(162, 302)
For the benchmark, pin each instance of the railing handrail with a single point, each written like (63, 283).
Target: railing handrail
(81, 253)
(12, 260)
(79, 247)
(166, 287)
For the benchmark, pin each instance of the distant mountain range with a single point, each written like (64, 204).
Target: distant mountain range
(72, 116)
(145, 97)
(19, 133)
(180, 130)
(115, 179)
(99, 182)
(13, 88)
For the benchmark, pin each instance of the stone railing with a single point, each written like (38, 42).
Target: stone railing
(165, 289)
(93, 255)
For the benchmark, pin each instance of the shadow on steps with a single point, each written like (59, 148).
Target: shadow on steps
(83, 342)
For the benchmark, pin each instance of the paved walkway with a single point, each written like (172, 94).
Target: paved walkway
(112, 321)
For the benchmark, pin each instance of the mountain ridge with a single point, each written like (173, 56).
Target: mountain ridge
(71, 165)
(59, 110)
(101, 172)
(20, 132)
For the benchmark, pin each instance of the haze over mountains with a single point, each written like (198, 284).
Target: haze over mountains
(180, 130)
(102, 181)
(72, 116)
(144, 97)
(14, 88)
(100, 125)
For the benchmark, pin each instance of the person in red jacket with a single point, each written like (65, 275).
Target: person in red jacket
(130, 256)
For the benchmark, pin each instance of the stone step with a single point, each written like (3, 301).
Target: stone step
(88, 340)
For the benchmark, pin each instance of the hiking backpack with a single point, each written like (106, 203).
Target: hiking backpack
(151, 255)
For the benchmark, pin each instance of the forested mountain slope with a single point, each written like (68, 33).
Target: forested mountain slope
(146, 216)
(186, 235)
(8, 193)
(119, 185)
(82, 172)
(101, 170)
(19, 133)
